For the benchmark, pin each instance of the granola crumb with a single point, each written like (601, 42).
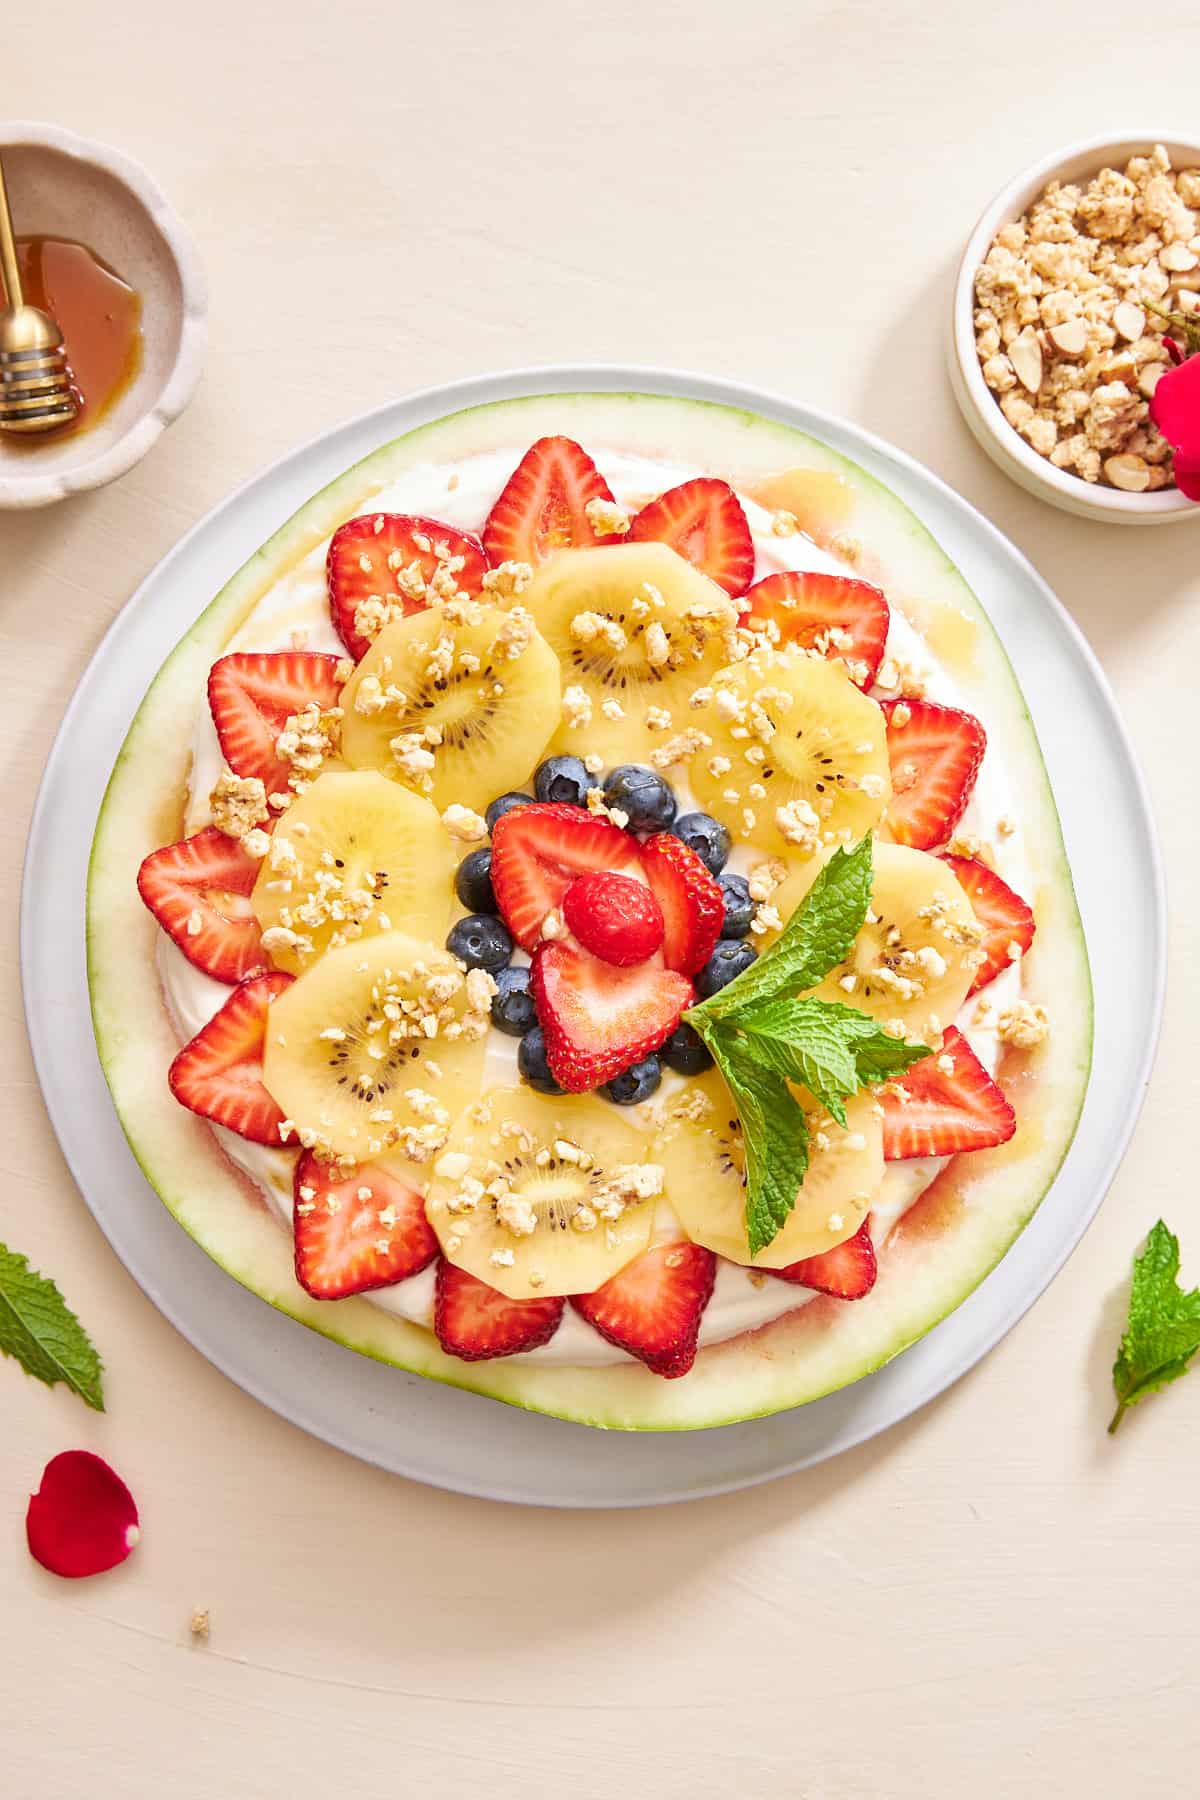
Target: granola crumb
(199, 1624)
(464, 824)
(1024, 1025)
(606, 518)
(238, 804)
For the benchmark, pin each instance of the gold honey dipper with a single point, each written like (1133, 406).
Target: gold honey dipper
(35, 381)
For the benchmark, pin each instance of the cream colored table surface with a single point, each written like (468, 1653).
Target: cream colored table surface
(992, 1597)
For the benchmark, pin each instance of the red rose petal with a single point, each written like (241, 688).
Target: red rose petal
(82, 1519)
(1175, 407)
(1187, 474)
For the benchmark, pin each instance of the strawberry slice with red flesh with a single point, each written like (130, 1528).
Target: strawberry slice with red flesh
(702, 520)
(356, 1232)
(598, 1019)
(253, 694)
(842, 617)
(219, 1073)
(537, 852)
(848, 1271)
(367, 554)
(693, 906)
(199, 891)
(475, 1322)
(1005, 917)
(652, 1308)
(543, 506)
(935, 753)
(946, 1103)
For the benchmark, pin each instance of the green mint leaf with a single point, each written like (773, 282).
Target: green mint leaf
(816, 938)
(38, 1328)
(775, 1136)
(1162, 1333)
(830, 1049)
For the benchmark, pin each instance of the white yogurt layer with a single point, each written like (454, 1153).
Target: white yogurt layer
(295, 613)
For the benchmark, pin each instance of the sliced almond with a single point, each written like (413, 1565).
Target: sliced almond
(1149, 378)
(1129, 473)
(1130, 320)
(1025, 354)
(1069, 339)
(1185, 301)
(1178, 258)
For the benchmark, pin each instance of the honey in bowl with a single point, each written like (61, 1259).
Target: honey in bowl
(100, 316)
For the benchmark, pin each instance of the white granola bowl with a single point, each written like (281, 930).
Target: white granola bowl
(1003, 443)
(64, 185)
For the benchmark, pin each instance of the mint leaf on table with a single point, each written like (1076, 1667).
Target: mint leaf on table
(40, 1331)
(816, 938)
(775, 1138)
(1162, 1333)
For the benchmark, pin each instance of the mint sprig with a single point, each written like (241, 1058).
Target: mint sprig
(816, 938)
(763, 1034)
(39, 1330)
(1162, 1333)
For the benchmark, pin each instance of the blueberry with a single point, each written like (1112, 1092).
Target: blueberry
(739, 907)
(707, 837)
(505, 804)
(726, 961)
(531, 1061)
(512, 1003)
(635, 1083)
(473, 882)
(642, 793)
(481, 942)
(563, 779)
(684, 1052)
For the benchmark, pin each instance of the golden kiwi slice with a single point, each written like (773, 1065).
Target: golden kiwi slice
(540, 1195)
(355, 854)
(704, 1168)
(636, 630)
(457, 702)
(798, 759)
(378, 1047)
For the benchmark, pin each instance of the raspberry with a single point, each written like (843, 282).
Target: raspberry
(616, 918)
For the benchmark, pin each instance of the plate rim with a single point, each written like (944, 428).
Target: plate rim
(432, 402)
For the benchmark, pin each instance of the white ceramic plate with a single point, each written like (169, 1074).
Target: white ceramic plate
(459, 1440)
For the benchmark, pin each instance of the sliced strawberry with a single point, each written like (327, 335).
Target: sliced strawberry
(847, 1271)
(1005, 917)
(842, 617)
(476, 1322)
(945, 1103)
(703, 521)
(369, 554)
(599, 1019)
(354, 1232)
(935, 753)
(537, 851)
(543, 506)
(653, 1307)
(615, 917)
(219, 1073)
(253, 694)
(199, 891)
(693, 906)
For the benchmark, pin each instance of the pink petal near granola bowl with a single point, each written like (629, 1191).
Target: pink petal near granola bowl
(1076, 328)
